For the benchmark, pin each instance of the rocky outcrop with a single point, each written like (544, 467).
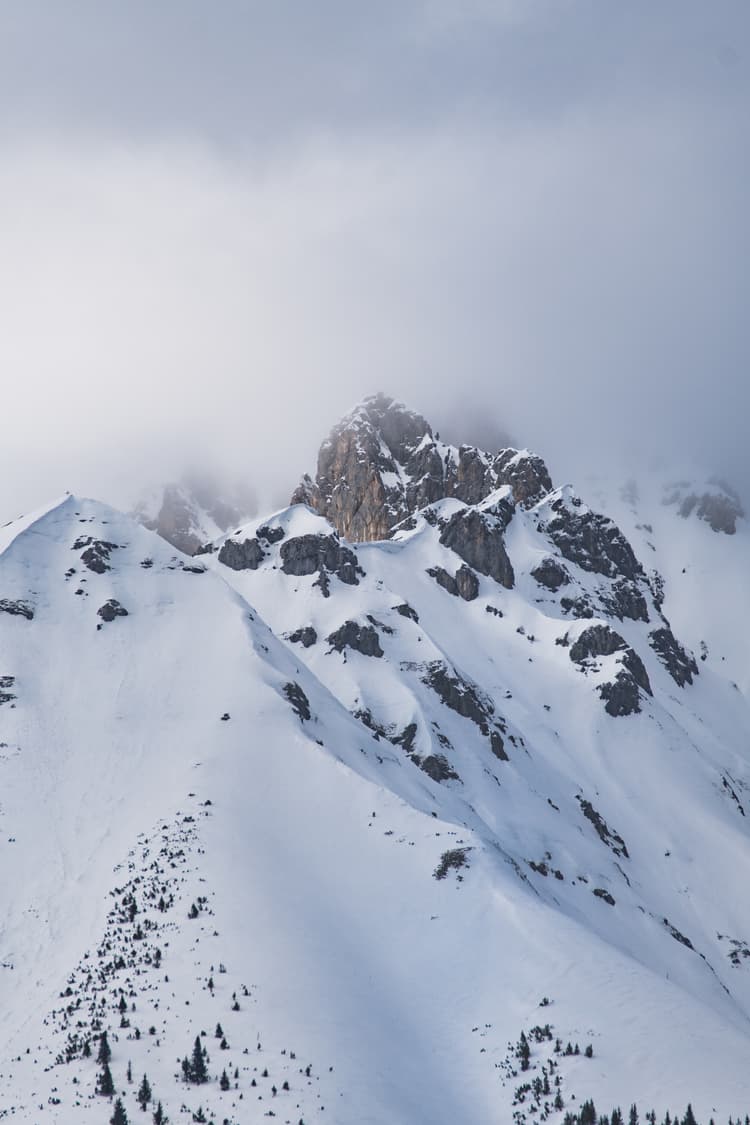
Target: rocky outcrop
(405, 610)
(592, 541)
(464, 585)
(305, 636)
(111, 609)
(247, 555)
(467, 584)
(322, 555)
(298, 700)
(621, 695)
(17, 608)
(478, 538)
(679, 663)
(717, 503)
(382, 463)
(551, 574)
(437, 767)
(95, 553)
(361, 638)
(624, 599)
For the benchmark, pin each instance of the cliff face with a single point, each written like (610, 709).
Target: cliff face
(382, 463)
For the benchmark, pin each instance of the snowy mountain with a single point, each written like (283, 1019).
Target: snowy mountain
(384, 822)
(194, 510)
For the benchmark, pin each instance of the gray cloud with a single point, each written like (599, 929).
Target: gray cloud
(222, 225)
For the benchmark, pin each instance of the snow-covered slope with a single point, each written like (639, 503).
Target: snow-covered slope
(374, 810)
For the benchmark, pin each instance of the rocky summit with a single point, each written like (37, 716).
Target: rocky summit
(424, 799)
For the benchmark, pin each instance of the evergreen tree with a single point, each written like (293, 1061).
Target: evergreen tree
(159, 1116)
(144, 1093)
(219, 1033)
(224, 1080)
(122, 1006)
(616, 1118)
(633, 1118)
(689, 1118)
(523, 1051)
(106, 1083)
(119, 1117)
(198, 1071)
(105, 1051)
(588, 1113)
(130, 1071)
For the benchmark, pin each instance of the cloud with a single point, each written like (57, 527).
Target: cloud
(560, 250)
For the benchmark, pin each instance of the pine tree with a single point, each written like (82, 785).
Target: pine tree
(122, 1006)
(689, 1118)
(105, 1051)
(224, 1080)
(144, 1093)
(119, 1117)
(633, 1118)
(106, 1083)
(130, 1071)
(198, 1071)
(523, 1051)
(219, 1033)
(159, 1116)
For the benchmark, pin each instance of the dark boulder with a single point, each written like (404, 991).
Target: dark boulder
(437, 767)
(467, 583)
(361, 638)
(551, 574)
(406, 611)
(111, 609)
(444, 580)
(247, 555)
(305, 636)
(321, 554)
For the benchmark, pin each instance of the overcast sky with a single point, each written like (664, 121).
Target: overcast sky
(223, 222)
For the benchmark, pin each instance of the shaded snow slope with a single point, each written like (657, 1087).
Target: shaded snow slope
(227, 784)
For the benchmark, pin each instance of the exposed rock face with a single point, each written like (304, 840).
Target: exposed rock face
(718, 504)
(382, 463)
(194, 510)
(7, 682)
(477, 537)
(464, 585)
(466, 700)
(16, 608)
(679, 663)
(405, 610)
(621, 695)
(96, 554)
(321, 554)
(361, 638)
(437, 767)
(247, 555)
(467, 583)
(592, 541)
(299, 701)
(551, 574)
(625, 599)
(597, 640)
(305, 636)
(111, 609)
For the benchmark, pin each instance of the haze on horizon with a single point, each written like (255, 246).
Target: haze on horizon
(222, 226)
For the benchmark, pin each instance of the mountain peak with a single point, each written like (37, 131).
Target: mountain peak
(382, 462)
